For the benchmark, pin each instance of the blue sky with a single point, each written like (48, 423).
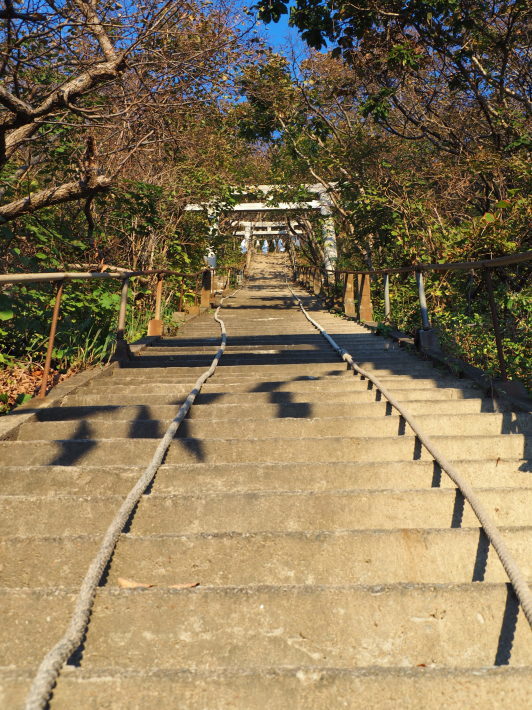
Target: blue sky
(277, 33)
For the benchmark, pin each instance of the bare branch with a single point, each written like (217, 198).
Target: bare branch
(67, 192)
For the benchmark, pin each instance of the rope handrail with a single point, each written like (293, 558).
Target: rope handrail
(55, 659)
(515, 575)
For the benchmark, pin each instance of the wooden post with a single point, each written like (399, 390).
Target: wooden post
(51, 339)
(365, 308)
(155, 325)
(349, 295)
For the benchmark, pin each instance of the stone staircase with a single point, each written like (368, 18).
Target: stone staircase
(338, 567)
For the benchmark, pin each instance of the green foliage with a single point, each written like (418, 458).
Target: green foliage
(460, 313)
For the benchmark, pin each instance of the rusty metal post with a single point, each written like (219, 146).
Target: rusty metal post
(51, 339)
(364, 305)
(122, 348)
(155, 325)
(349, 295)
(387, 308)
(495, 320)
(426, 337)
(120, 333)
(206, 280)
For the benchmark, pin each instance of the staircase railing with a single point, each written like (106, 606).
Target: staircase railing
(356, 289)
(201, 284)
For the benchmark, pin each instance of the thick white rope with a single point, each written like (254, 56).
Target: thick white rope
(513, 571)
(55, 659)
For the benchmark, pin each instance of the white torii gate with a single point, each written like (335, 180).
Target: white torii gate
(321, 203)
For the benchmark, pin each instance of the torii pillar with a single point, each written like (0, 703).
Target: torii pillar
(330, 251)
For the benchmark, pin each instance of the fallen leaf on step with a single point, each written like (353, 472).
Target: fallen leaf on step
(131, 584)
(185, 585)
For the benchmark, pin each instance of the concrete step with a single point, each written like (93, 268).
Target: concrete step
(305, 687)
(264, 511)
(258, 399)
(317, 347)
(303, 558)
(338, 566)
(180, 376)
(306, 359)
(333, 409)
(197, 477)
(331, 385)
(444, 425)
(460, 626)
(264, 449)
(144, 376)
(257, 340)
(509, 421)
(315, 368)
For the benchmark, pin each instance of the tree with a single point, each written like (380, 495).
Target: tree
(104, 82)
(451, 72)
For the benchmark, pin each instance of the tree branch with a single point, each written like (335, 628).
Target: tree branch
(53, 196)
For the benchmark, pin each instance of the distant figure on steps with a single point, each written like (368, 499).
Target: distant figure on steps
(265, 246)
(243, 246)
(280, 246)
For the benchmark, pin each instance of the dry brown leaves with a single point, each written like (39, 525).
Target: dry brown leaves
(20, 380)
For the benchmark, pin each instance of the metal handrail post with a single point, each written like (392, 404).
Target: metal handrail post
(422, 301)
(120, 331)
(122, 348)
(51, 339)
(387, 308)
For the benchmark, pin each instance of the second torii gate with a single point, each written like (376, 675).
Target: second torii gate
(253, 208)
